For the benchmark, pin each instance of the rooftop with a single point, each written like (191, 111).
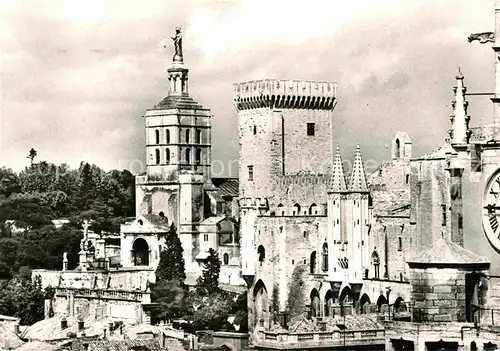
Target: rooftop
(446, 252)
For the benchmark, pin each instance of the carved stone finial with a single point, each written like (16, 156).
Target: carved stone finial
(482, 37)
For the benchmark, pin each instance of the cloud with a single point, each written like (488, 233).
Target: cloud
(78, 75)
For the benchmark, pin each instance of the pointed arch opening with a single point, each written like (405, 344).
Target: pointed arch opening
(364, 302)
(296, 209)
(400, 305)
(324, 258)
(313, 209)
(281, 209)
(315, 303)
(346, 299)
(312, 263)
(381, 301)
(260, 303)
(329, 300)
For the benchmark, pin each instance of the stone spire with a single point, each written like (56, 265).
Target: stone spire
(338, 178)
(358, 179)
(459, 132)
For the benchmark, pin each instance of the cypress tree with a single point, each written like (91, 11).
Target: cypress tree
(171, 265)
(208, 283)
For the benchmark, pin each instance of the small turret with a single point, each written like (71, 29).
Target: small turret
(358, 179)
(338, 178)
(459, 132)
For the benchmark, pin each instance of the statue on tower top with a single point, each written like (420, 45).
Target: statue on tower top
(178, 45)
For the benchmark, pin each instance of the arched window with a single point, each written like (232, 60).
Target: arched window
(324, 254)
(198, 156)
(261, 252)
(157, 153)
(363, 303)
(188, 155)
(167, 136)
(225, 257)
(167, 156)
(296, 209)
(198, 137)
(187, 135)
(397, 149)
(315, 303)
(140, 252)
(313, 209)
(312, 263)
(281, 209)
(157, 136)
(329, 299)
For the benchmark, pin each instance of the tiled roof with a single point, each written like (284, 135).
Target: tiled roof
(238, 289)
(227, 186)
(447, 252)
(37, 346)
(180, 102)
(124, 345)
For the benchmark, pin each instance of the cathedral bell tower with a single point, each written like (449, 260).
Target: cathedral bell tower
(178, 158)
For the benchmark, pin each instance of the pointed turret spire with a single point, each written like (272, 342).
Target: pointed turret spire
(338, 178)
(358, 179)
(459, 132)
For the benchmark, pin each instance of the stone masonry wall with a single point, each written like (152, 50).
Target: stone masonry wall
(438, 294)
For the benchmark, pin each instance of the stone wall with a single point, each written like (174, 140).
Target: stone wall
(438, 294)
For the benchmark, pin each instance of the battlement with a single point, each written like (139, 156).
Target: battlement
(254, 202)
(274, 93)
(304, 180)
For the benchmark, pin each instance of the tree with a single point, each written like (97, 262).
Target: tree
(171, 265)
(295, 303)
(212, 312)
(32, 155)
(23, 299)
(208, 283)
(9, 182)
(168, 295)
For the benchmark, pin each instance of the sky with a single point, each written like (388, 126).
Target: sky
(78, 75)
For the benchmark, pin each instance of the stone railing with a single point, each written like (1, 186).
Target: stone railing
(105, 294)
(346, 338)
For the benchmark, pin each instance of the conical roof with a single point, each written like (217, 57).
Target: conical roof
(338, 177)
(446, 252)
(358, 179)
